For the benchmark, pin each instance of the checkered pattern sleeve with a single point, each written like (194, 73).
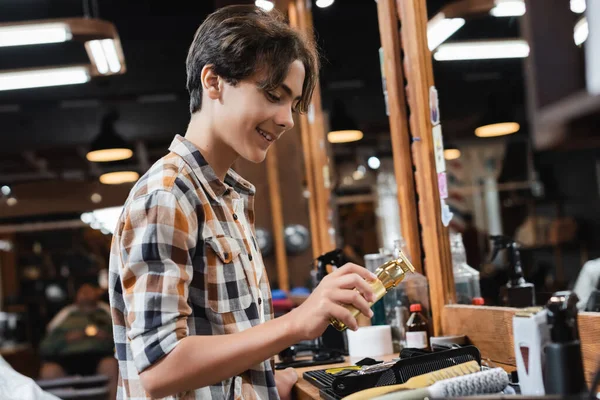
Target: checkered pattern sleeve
(158, 239)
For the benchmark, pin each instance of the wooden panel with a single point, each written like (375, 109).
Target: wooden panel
(490, 329)
(467, 8)
(301, 18)
(419, 74)
(277, 216)
(403, 165)
(295, 205)
(8, 271)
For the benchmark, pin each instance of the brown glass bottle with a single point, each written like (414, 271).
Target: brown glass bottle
(417, 329)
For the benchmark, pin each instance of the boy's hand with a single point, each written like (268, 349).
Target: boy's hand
(336, 289)
(285, 381)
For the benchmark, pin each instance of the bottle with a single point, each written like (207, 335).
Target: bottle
(563, 374)
(417, 329)
(517, 292)
(388, 275)
(466, 279)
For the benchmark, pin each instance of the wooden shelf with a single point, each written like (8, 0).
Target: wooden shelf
(571, 108)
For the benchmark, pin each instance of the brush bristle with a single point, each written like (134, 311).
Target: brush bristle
(491, 381)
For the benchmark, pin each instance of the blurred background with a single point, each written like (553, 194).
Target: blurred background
(58, 208)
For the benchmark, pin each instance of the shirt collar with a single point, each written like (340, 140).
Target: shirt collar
(209, 180)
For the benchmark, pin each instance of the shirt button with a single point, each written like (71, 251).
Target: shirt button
(250, 257)
(259, 301)
(235, 217)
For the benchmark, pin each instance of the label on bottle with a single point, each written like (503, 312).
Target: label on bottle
(417, 340)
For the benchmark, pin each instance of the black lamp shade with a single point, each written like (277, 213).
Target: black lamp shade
(108, 145)
(343, 127)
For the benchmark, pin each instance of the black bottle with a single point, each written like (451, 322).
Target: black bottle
(517, 292)
(564, 374)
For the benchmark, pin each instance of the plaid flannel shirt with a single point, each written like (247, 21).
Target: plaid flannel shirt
(183, 263)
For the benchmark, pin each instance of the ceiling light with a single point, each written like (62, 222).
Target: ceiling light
(96, 198)
(508, 8)
(581, 32)
(108, 145)
(482, 50)
(440, 28)
(499, 129)
(104, 55)
(324, 3)
(578, 6)
(264, 4)
(26, 79)
(108, 155)
(451, 154)
(116, 178)
(373, 162)
(20, 35)
(5, 190)
(344, 136)
(11, 201)
(343, 127)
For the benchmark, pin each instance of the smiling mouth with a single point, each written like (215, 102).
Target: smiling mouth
(267, 136)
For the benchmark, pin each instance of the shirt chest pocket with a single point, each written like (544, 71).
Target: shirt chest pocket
(227, 287)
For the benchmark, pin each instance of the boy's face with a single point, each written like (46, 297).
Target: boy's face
(250, 120)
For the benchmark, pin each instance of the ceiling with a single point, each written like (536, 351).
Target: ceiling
(48, 129)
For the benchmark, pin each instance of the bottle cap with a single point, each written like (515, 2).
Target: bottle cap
(478, 301)
(415, 307)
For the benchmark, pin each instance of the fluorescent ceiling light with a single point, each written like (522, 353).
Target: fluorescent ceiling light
(482, 50)
(105, 56)
(440, 28)
(21, 35)
(578, 6)
(499, 129)
(581, 32)
(264, 4)
(344, 136)
(43, 78)
(324, 3)
(508, 8)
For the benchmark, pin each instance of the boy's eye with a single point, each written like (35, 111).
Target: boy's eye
(273, 97)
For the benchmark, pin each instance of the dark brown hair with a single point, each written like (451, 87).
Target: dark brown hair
(239, 41)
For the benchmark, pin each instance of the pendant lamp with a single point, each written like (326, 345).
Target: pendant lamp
(108, 145)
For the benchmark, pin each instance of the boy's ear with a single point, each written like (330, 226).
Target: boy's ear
(211, 82)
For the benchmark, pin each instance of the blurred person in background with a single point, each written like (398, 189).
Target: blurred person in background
(79, 340)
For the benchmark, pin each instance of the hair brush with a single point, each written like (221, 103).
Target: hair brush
(491, 381)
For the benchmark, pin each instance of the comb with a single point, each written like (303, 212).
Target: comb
(349, 382)
(419, 381)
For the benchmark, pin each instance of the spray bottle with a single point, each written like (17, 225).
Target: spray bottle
(517, 292)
